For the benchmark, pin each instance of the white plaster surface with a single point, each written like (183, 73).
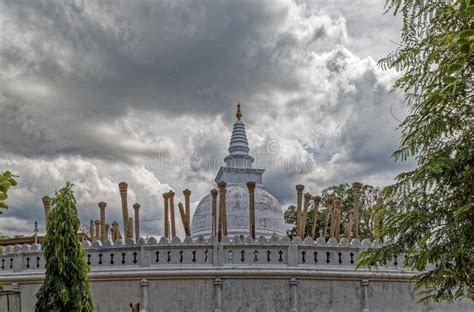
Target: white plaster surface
(268, 213)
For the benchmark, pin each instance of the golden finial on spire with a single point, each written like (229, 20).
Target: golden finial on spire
(239, 113)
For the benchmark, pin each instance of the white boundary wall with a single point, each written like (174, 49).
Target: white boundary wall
(273, 274)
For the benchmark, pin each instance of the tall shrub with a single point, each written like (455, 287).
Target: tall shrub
(66, 285)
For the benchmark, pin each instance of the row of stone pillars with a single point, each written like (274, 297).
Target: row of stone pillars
(99, 230)
(219, 212)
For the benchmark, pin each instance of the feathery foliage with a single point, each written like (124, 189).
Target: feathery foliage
(7, 180)
(66, 285)
(369, 211)
(431, 213)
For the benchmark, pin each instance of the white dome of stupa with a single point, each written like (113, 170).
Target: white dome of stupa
(236, 173)
(268, 213)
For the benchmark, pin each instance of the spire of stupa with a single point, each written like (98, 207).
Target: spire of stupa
(238, 114)
(239, 146)
(238, 163)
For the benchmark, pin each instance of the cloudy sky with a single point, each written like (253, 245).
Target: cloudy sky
(98, 92)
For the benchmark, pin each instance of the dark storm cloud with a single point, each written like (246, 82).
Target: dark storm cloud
(95, 61)
(97, 92)
(167, 56)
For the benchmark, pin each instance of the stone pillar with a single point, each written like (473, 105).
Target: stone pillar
(136, 208)
(251, 186)
(317, 200)
(222, 209)
(364, 284)
(349, 225)
(299, 200)
(130, 227)
(356, 190)
(167, 218)
(47, 208)
(293, 294)
(91, 230)
(224, 215)
(123, 188)
(218, 294)
(107, 230)
(307, 198)
(144, 295)
(184, 219)
(97, 230)
(113, 233)
(102, 206)
(113, 229)
(336, 220)
(214, 211)
(332, 229)
(187, 195)
(339, 219)
(329, 214)
(172, 216)
(116, 231)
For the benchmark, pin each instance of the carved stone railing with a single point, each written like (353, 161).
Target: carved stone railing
(275, 252)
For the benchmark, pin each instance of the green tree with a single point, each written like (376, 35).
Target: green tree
(290, 218)
(369, 211)
(7, 180)
(430, 217)
(66, 284)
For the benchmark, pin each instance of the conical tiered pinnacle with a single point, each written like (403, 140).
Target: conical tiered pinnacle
(238, 164)
(239, 147)
(238, 141)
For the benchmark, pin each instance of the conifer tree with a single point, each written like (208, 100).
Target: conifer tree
(66, 284)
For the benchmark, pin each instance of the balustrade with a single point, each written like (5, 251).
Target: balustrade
(273, 252)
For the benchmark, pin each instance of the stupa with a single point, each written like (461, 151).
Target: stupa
(250, 266)
(239, 170)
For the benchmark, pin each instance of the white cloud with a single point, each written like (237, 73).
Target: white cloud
(94, 181)
(100, 92)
